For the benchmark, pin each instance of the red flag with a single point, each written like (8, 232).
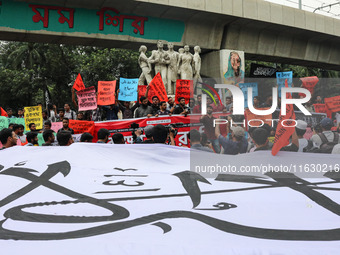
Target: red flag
(3, 112)
(79, 84)
(284, 132)
(157, 88)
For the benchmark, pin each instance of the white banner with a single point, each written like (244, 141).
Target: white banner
(142, 199)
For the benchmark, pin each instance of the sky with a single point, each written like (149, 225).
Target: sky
(311, 5)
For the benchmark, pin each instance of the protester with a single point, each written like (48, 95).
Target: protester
(47, 125)
(21, 134)
(195, 141)
(20, 113)
(49, 137)
(86, 138)
(260, 139)
(228, 104)
(236, 145)
(66, 126)
(118, 138)
(61, 114)
(8, 138)
(148, 130)
(64, 138)
(326, 140)
(126, 110)
(161, 134)
(32, 139)
(181, 108)
(70, 114)
(218, 107)
(171, 104)
(144, 110)
(209, 129)
(197, 108)
(10, 113)
(32, 127)
(111, 112)
(162, 110)
(103, 135)
(80, 116)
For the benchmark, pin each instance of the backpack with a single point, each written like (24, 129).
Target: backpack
(326, 146)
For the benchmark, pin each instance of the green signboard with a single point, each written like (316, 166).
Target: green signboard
(105, 21)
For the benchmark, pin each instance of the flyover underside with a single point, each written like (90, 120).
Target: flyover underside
(259, 40)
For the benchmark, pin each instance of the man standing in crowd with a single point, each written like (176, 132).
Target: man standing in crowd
(228, 104)
(218, 107)
(10, 113)
(61, 114)
(86, 138)
(20, 113)
(209, 129)
(198, 107)
(64, 138)
(126, 110)
(236, 145)
(45, 118)
(260, 138)
(8, 138)
(70, 114)
(171, 104)
(162, 110)
(144, 110)
(66, 126)
(181, 108)
(118, 138)
(327, 135)
(32, 127)
(195, 141)
(49, 137)
(47, 125)
(148, 134)
(111, 112)
(160, 135)
(32, 139)
(103, 135)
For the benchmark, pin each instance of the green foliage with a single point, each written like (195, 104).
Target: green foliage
(27, 69)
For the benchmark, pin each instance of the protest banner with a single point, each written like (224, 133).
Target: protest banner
(128, 89)
(3, 122)
(257, 120)
(184, 88)
(244, 87)
(281, 77)
(87, 99)
(82, 126)
(56, 126)
(106, 92)
(33, 114)
(333, 103)
(321, 108)
(258, 71)
(3, 112)
(157, 86)
(309, 83)
(285, 127)
(79, 84)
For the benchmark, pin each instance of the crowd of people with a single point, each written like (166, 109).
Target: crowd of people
(325, 137)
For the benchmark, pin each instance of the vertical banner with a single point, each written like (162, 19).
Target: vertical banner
(157, 87)
(128, 89)
(184, 88)
(244, 87)
(106, 92)
(33, 114)
(79, 84)
(3, 122)
(285, 127)
(281, 77)
(309, 83)
(333, 103)
(87, 99)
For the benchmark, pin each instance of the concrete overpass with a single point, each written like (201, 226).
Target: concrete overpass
(265, 31)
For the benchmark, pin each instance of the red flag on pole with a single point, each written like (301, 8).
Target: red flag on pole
(79, 84)
(285, 127)
(3, 112)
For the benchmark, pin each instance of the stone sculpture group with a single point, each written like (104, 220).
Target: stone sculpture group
(171, 65)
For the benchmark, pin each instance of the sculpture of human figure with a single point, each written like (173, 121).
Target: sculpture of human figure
(161, 59)
(184, 64)
(144, 64)
(172, 69)
(180, 52)
(197, 65)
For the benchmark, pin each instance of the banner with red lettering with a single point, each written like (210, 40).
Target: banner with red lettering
(157, 88)
(322, 108)
(309, 83)
(184, 88)
(79, 84)
(285, 127)
(141, 90)
(333, 103)
(106, 92)
(82, 126)
(87, 99)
